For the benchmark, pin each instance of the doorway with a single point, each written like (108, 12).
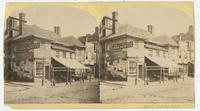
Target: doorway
(47, 72)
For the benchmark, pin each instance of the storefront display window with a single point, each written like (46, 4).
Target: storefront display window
(39, 68)
(132, 67)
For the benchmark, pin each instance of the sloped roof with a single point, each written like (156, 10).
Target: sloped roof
(71, 41)
(164, 40)
(185, 36)
(34, 30)
(131, 31)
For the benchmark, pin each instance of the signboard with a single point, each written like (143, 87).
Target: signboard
(28, 46)
(122, 45)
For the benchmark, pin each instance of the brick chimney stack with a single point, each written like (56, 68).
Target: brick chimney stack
(114, 20)
(191, 29)
(21, 23)
(57, 30)
(150, 29)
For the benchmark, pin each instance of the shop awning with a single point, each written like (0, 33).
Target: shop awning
(163, 62)
(70, 63)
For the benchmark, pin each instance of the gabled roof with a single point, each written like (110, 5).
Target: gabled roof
(164, 40)
(185, 36)
(71, 41)
(130, 31)
(34, 30)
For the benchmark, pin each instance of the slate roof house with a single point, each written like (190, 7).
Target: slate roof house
(30, 50)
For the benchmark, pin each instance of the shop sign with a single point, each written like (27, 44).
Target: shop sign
(122, 45)
(28, 46)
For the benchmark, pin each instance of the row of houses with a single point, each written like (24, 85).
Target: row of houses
(32, 52)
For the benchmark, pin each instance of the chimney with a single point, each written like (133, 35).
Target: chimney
(150, 29)
(10, 24)
(96, 30)
(114, 20)
(57, 30)
(96, 33)
(103, 27)
(191, 29)
(21, 22)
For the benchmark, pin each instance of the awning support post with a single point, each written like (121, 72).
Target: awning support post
(137, 71)
(82, 75)
(163, 75)
(176, 75)
(52, 77)
(160, 74)
(67, 76)
(183, 76)
(144, 75)
(43, 75)
(70, 76)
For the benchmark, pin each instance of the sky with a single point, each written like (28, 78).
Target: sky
(166, 20)
(76, 22)
(73, 21)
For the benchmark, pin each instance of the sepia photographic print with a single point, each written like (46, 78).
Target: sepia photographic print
(132, 54)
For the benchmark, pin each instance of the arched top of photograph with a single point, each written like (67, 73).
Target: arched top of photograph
(71, 21)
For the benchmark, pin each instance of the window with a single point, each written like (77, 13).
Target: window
(151, 52)
(64, 54)
(57, 54)
(132, 67)
(136, 45)
(72, 55)
(39, 68)
(164, 54)
(158, 53)
(68, 55)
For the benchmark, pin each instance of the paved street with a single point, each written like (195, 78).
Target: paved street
(21, 93)
(168, 92)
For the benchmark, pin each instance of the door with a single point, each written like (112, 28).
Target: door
(140, 73)
(47, 72)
